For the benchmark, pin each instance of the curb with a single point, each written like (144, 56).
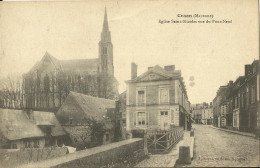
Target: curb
(234, 132)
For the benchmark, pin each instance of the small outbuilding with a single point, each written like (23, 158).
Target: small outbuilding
(80, 112)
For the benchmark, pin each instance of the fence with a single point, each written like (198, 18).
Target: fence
(161, 141)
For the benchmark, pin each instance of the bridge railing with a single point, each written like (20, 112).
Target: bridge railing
(161, 141)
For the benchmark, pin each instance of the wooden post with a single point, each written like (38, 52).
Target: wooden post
(145, 144)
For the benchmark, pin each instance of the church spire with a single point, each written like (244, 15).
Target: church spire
(105, 23)
(106, 50)
(105, 35)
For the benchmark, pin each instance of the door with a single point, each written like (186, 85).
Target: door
(164, 120)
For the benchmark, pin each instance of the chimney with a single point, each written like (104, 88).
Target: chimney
(150, 68)
(133, 70)
(247, 69)
(169, 68)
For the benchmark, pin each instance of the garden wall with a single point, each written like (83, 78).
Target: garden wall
(118, 154)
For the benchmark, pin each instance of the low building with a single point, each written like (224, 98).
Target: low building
(28, 129)
(80, 113)
(157, 99)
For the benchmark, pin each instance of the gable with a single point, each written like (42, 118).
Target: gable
(152, 76)
(70, 109)
(47, 64)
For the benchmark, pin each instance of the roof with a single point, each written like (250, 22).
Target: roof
(90, 104)
(80, 106)
(80, 65)
(48, 118)
(14, 125)
(160, 71)
(74, 66)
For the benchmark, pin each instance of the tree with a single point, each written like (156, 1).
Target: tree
(11, 91)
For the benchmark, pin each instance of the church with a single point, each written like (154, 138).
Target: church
(50, 80)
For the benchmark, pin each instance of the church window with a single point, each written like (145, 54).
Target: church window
(46, 83)
(104, 51)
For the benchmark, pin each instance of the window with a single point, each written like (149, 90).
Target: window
(14, 146)
(141, 118)
(164, 95)
(36, 143)
(70, 121)
(104, 51)
(152, 76)
(141, 97)
(253, 92)
(107, 137)
(164, 112)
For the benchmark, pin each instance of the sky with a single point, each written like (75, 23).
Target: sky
(212, 54)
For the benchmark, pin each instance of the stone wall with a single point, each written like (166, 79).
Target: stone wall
(110, 155)
(15, 157)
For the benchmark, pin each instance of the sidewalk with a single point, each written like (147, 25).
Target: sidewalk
(236, 132)
(165, 160)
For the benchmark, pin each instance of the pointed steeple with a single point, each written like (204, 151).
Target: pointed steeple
(105, 23)
(105, 35)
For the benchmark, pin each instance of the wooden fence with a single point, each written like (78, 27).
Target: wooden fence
(161, 141)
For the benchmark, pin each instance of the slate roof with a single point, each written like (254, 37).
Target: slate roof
(74, 66)
(80, 65)
(14, 125)
(48, 118)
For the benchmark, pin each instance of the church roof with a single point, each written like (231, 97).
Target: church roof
(78, 66)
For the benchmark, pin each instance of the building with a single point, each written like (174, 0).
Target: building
(29, 129)
(244, 100)
(217, 102)
(50, 80)
(157, 99)
(83, 117)
(241, 99)
(202, 113)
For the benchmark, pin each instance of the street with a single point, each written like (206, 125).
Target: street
(219, 148)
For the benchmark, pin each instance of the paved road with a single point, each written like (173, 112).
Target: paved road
(219, 148)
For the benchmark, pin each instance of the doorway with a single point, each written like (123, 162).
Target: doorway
(164, 120)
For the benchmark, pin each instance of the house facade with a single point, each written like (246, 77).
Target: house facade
(157, 99)
(202, 113)
(240, 99)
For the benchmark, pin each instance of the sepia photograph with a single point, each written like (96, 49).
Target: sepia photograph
(129, 83)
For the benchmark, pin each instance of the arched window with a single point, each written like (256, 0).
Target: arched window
(46, 83)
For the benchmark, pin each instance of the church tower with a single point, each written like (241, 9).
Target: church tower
(106, 66)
